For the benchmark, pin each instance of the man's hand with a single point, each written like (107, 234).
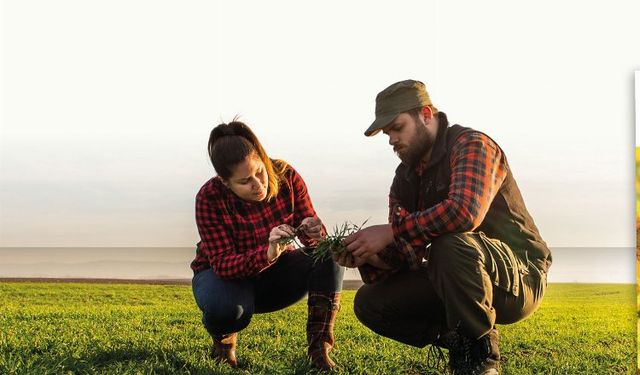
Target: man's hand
(369, 241)
(347, 260)
(312, 227)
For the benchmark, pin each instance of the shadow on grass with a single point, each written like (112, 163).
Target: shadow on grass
(169, 363)
(159, 361)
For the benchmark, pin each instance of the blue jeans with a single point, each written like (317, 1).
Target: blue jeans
(228, 305)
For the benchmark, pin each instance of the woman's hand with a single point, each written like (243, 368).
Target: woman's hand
(312, 227)
(275, 236)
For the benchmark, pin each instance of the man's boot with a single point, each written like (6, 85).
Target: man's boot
(224, 349)
(453, 342)
(473, 357)
(323, 309)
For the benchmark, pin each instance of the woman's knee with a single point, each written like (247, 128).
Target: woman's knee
(226, 317)
(224, 303)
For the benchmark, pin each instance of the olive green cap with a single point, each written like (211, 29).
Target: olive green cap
(400, 97)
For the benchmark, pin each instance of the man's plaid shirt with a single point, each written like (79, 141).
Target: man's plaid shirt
(478, 168)
(234, 233)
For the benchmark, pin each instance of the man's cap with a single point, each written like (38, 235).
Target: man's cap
(400, 97)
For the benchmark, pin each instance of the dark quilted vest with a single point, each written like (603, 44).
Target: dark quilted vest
(507, 219)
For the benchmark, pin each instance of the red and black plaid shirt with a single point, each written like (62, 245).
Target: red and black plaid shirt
(478, 168)
(234, 233)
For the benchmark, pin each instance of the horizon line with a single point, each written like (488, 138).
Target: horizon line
(186, 281)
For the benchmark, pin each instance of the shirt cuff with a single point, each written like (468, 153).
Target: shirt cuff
(402, 236)
(372, 275)
(398, 224)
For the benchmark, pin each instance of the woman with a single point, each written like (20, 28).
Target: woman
(243, 263)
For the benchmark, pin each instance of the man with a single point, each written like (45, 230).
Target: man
(460, 253)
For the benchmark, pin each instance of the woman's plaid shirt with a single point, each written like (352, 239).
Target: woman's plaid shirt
(234, 233)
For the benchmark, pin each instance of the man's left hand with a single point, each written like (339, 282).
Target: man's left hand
(369, 241)
(345, 259)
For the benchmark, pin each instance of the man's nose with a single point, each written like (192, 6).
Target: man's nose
(392, 140)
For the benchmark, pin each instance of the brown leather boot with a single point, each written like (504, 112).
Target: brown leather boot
(323, 309)
(224, 349)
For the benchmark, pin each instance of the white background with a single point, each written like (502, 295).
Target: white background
(107, 107)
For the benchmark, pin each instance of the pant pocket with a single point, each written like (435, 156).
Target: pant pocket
(503, 267)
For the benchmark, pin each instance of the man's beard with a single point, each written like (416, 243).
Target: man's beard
(418, 147)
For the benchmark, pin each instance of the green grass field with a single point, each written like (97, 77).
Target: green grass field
(60, 328)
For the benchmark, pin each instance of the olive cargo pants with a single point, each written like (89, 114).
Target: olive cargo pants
(469, 282)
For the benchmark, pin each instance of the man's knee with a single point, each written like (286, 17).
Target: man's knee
(452, 248)
(449, 240)
(375, 310)
(365, 305)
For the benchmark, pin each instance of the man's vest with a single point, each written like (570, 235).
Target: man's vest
(507, 218)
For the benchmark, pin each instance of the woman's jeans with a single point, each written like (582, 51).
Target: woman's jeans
(228, 305)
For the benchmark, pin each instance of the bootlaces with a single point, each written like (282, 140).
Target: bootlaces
(436, 359)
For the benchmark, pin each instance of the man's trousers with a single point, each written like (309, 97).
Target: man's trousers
(469, 282)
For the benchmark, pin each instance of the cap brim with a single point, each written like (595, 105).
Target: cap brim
(379, 123)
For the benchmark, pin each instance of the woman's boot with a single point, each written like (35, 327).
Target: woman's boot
(323, 309)
(224, 348)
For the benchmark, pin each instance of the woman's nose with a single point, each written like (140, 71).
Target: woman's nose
(255, 184)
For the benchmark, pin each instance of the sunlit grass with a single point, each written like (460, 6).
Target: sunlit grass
(49, 328)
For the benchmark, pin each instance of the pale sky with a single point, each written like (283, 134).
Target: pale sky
(107, 107)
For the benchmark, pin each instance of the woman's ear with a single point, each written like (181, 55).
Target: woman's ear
(224, 182)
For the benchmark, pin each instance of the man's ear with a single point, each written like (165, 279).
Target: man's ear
(427, 113)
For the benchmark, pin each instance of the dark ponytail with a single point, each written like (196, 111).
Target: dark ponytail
(229, 144)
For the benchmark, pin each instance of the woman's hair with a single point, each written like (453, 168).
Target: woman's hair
(230, 144)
